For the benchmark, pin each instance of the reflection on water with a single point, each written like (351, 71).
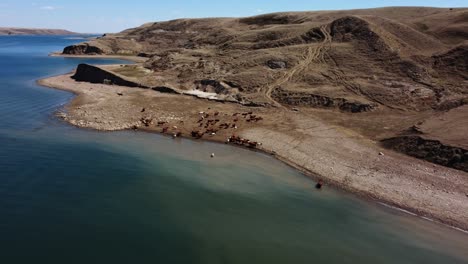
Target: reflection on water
(70, 195)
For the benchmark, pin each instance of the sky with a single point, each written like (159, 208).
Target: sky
(104, 16)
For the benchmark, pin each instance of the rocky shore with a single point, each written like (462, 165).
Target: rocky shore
(339, 156)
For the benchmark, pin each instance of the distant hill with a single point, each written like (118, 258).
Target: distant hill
(33, 31)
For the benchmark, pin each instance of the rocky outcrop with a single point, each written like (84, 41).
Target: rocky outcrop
(351, 28)
(414, 71)
(451, 104)
(270, 19)
(93, 74)
(276, 64)
(313, 35)
(215, 86)
(454, 62)
(82, 49)
(165, 89)
(320, 101)
(144, 55)
(430, 150)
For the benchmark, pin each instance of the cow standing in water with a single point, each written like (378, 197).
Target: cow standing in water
(319, 184)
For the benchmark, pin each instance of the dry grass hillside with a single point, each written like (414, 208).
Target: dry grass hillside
(394, 73)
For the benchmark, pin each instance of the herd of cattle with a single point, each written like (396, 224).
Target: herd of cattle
(210, 124)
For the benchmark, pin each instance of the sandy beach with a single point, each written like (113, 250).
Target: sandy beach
(338, 156)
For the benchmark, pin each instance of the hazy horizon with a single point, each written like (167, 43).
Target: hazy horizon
(106, 16)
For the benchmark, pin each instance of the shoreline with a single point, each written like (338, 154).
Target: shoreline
(82, 99)
(388, 204)
(308, 174)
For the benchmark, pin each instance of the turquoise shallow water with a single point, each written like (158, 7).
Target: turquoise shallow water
(70, 195)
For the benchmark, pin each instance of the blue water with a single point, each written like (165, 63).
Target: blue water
(71, 195)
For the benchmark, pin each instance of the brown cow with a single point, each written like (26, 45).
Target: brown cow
(197, 134)
(253, 144)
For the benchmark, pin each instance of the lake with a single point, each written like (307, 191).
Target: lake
(70, 195)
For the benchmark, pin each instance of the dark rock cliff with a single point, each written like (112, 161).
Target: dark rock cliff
(430, 150)
(82, 49)
(93, 74)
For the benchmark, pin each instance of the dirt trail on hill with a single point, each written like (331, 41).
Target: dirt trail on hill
(313, 55)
